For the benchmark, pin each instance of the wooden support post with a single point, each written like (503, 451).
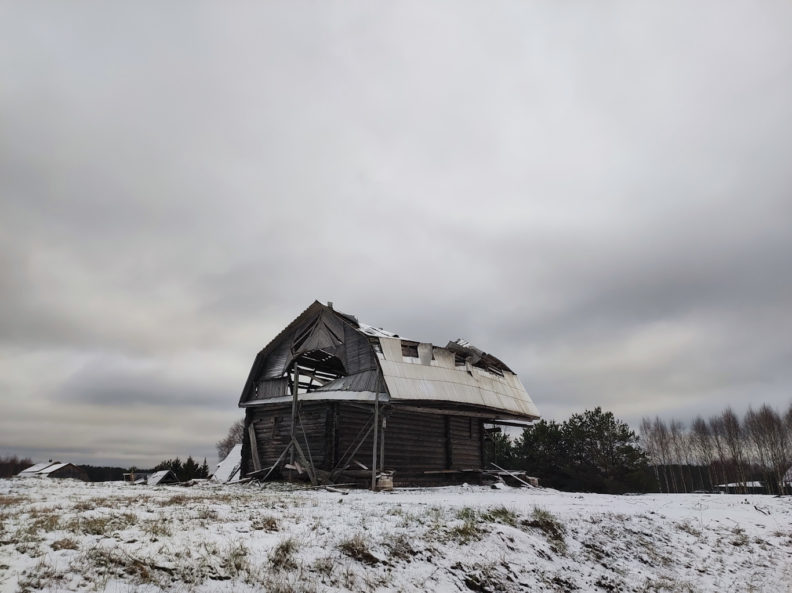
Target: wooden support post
(482, 445)
(295, 385)
(382, 441)
(448, 443)
(374, 445)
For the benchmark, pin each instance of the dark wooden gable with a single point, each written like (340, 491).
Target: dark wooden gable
(318, 333)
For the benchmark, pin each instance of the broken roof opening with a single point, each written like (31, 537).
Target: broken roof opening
(315, 369)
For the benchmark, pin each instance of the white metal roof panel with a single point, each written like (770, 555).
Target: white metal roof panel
(465, 385)
(52, 468)
(376, 332)
(157, 477)
(229, 467)
(36, 469)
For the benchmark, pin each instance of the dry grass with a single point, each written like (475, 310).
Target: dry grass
(357, 547)
(41, 576)
(546, 522)
(65, 543)
(399, 546)
(264, 523)
(101, 524)
(282, 555)
(7, 500)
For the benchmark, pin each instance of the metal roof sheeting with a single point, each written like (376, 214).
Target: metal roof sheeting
(460, 373)
(376, 332)
(35, 470)
(464, 385)
(228, 469)
(164, 476)
(52, 468)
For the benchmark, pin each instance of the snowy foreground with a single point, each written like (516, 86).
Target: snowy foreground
(71, 536)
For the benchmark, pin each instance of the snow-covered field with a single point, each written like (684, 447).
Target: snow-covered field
(70, 536)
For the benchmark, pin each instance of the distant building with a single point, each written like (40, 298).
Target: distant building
(54, 469)
(753, 487)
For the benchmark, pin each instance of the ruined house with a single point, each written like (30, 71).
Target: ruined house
(333, 399)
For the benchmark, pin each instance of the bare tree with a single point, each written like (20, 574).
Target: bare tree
(663, 439)
(733, 435)
(719, 441)
(679, 447)
(701, 442)
(649, 440)
(777, 441)
(757, 440)
(234, 437)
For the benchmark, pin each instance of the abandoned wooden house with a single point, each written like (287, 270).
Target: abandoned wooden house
(333, 399)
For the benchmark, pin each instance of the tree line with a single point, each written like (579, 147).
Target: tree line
(11, 465)
(593, 451)
(722, 449)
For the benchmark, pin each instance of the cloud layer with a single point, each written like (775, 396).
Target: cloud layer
(599, 194)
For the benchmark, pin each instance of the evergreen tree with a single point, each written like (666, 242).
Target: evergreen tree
(190, 470)
(591, 451)
(503, 452)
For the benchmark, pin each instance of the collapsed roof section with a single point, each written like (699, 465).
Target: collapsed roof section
(332, 356)
(228, 470)
(165, 476)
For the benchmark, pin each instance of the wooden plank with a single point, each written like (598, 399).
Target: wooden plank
(254, 454)
(296, 448)
(274, 465)
(345, 464)
(512, 475)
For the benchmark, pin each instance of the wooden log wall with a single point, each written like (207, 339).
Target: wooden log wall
(272, 426)
(415, 442)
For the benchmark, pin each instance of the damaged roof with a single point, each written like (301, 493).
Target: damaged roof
(355, 357)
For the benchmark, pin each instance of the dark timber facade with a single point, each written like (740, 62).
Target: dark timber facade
(332, 399)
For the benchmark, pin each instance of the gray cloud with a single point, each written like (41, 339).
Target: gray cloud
(598, 194)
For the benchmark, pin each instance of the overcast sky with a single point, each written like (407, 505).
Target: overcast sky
(599, 193)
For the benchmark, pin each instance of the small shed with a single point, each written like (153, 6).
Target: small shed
(54, 469)
(331, 398)
(165, 476)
